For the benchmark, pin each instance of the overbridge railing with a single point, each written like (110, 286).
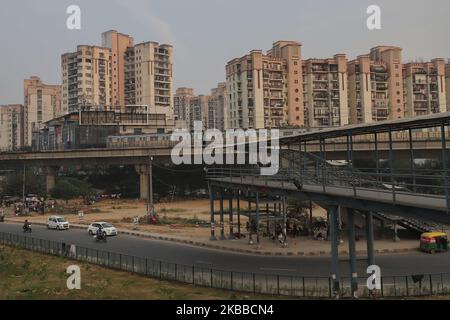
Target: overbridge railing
(308, 169)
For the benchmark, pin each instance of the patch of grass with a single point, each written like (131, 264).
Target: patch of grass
(27, 275)
(94, 210)
(180, 221)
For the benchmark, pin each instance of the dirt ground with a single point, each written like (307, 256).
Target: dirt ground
(180, 215)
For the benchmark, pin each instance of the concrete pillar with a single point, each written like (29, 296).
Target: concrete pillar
(284, 221)
(222, 224)
(230, 205)
(211, 200)
(238, 195)
(369, 237)
(257, 218)
(50, 177)
(332, 212)
(142, 170)
(352, 250)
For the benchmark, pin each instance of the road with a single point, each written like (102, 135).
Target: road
(398, 264)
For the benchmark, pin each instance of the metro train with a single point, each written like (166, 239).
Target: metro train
(141, 140)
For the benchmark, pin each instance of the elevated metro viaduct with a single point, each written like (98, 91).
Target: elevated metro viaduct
(405, 140)
(409, 192)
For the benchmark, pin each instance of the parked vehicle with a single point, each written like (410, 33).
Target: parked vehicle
(109, 229)
(58, 223)
(432, 242)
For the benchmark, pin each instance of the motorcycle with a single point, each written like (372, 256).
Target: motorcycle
(27, 229)
(101, 237)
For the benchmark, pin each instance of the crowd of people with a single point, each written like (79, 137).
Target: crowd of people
(29, 206)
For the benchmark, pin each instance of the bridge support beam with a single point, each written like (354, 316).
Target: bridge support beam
(50, 177)
(284, 222)
(143, 171)
(369, 237)
(352, 251)
(332, 212)
(222, 225)
(230, 205)
(238, 196)
(211, 203)
(257, 218)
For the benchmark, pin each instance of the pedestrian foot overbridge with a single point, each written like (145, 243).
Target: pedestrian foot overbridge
(414, 188)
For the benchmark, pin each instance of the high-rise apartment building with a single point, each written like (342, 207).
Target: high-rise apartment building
(217, 107)
(447, 84)
(86, 78)
(149, 77)
(198, 111)
(42, 103)
(118, 43)
(392, 57)
(325, 92)
(375, 85)
(11, 127)
(182, 102)
(424, 88)
(264, 90)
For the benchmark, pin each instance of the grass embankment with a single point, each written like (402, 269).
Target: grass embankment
(30, 275)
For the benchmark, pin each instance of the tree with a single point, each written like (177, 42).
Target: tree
(34, 184)
(70, 188)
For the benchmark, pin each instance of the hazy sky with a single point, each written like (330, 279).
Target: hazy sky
(207, 33)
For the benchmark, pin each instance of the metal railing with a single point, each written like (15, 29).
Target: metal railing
(255, 283)
(309, 169)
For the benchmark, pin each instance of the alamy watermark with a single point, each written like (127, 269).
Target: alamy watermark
(239, 147)
(74, 279)
(73, 21)
(374, 20)
(374, 280)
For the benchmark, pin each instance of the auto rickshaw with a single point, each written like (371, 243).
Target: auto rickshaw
(432, 242)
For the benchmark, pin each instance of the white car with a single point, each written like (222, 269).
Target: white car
(58, 223)
(107, 227)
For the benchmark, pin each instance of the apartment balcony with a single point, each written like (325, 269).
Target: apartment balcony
(276, 97)
(421, 106)
(276, 106)
(276, 88)
(379, 78)
(421, 89)
(320, 68)
(320, 96)
(276, 79)
(162, 80)
(380, 88)
(420, 98)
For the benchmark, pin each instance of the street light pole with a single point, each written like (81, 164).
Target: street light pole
(23, 184)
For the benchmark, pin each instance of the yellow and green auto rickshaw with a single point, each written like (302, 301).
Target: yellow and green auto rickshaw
(434, 242)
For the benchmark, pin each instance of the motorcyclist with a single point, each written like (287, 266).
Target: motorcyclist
(100, 233)
(26, 225)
